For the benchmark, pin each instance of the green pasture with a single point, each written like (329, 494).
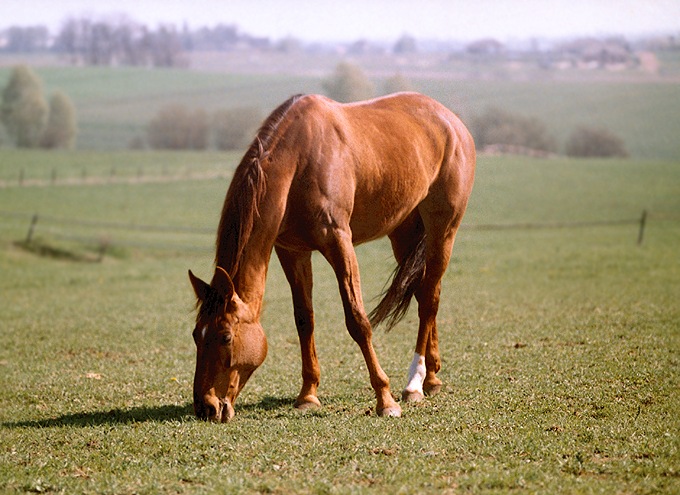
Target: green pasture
(560, 346)
(115, 105)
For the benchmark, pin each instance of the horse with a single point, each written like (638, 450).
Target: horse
(325, 176)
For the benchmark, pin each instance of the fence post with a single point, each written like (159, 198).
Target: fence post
(29, 235)
(102, 252)
(643, 222)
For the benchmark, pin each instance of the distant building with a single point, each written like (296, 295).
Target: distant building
(589, 53)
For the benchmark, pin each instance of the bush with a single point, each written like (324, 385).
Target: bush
(348, 83)
(497, 126)
(235, 128)
(175, 127)
(595, 142)
(61, 129)
(24, 110)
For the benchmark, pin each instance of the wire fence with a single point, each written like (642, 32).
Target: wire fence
(106, 235)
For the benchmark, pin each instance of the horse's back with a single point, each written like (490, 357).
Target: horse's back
(377, 160)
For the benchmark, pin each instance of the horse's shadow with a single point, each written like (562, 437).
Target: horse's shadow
(159, 414)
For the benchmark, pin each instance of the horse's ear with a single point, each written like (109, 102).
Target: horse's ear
(200, 287)
(222, 283)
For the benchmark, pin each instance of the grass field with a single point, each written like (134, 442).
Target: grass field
(115, 105)
(560, 347)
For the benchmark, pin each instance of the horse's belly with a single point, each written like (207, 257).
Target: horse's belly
(365, 231)
(309, 228)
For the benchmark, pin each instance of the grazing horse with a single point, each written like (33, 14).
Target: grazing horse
(324, 176)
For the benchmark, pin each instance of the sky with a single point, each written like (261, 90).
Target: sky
(347, 20)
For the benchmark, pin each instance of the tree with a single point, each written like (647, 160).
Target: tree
(61, 128)
(24, 110)
(234, 128)
(405, 44)
(26, 39)
(598, 142)
(166, 48)
(120, 40)
(397, 83)
(348, 83)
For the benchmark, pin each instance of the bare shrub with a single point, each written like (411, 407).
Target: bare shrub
(596, 142)
(176, 127)
(497, 126)
(234, 128)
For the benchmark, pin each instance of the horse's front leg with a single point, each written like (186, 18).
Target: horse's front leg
(340, 254)
(298, 270)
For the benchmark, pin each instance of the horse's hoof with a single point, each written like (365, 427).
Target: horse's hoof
(390, 411)
(412, 396)
(433, 389)
(307, 402)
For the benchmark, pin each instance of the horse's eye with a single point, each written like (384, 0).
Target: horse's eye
(226, 339)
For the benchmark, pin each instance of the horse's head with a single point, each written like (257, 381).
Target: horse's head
(230, 345)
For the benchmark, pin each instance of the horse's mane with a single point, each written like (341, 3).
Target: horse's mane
(247, 189)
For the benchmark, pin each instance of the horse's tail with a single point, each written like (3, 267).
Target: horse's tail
(405, 280)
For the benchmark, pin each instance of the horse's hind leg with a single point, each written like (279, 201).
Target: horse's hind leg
(440, 236)
(298, 270)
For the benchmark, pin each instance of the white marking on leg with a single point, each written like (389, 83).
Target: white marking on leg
(416, 374)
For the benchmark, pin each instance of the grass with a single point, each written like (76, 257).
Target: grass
(560, 349)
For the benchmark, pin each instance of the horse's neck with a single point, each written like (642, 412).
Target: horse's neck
(250, 281)
(251, 274)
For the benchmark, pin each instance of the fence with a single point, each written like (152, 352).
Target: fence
(640, 221)
(84, 231)
(72, 230)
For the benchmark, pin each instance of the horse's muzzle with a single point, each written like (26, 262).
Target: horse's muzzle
(210, 408)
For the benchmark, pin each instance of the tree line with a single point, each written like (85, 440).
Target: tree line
(123, 41)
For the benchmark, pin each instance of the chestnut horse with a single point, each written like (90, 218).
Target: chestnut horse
(323, 176)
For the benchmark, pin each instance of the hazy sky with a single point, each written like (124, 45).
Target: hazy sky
(374, 19)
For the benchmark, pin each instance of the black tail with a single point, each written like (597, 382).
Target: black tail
(405, 280)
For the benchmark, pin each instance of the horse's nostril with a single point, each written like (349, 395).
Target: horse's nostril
(198, 407)
(208, 408)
